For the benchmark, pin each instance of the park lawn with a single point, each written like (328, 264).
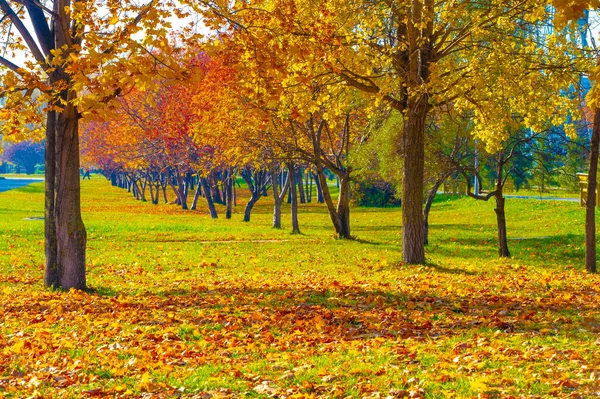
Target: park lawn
(182, 305)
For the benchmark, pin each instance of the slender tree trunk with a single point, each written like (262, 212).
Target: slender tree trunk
(413, 249)
(427, 209)
(196, 196)
(590, 207)
(228, 194)
(278, 198)
(248, 209)
(300, 182)
(294, 197)
(503, 251)
(51, 272)
(70, 230)
(152, 198)
(320, 198)
(181, 188)
(208, 196)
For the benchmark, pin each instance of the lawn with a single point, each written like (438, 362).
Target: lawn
(185, 306)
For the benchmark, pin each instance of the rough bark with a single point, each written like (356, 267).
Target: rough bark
(413, 249)
(51, 272)
(590, 207)
(70, 230)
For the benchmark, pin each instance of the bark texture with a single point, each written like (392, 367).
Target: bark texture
(413, 249)
(590, 207)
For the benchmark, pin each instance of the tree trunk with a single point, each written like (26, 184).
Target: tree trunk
(196, 196)
(503, 251)
(278, 198)
(51, 272)
(249, 207)
(70, 230)
(182, 189)
(413, 249)
(320, 198)
(300, 182)
(208, 196)
(293, 197)
(343, 208)
(228, 195)
(590, 206)
(428, 204)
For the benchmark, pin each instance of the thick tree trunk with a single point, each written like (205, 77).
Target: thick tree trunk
(70, 230)
(208, 196)
(51, 272)
(413, 249)
(590, 207)
(293, 197)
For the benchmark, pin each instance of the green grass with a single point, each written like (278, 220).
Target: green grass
(197, 305)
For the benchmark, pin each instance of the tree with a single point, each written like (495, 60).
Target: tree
(81, 58)
(26, 154)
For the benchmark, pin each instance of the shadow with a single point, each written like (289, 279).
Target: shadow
(343, 312)
(449, 270)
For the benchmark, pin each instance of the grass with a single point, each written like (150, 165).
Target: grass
(183, 304)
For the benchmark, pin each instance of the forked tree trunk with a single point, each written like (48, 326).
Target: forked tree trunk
(70, 230)
(413, 249)
(590, 207)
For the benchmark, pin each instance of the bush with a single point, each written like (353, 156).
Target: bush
(377, 193)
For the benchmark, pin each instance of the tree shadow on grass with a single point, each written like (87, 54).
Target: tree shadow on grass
(347, 312)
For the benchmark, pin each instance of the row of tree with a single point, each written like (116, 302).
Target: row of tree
(292, 80)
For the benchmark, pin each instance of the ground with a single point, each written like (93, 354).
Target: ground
(185, 306)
